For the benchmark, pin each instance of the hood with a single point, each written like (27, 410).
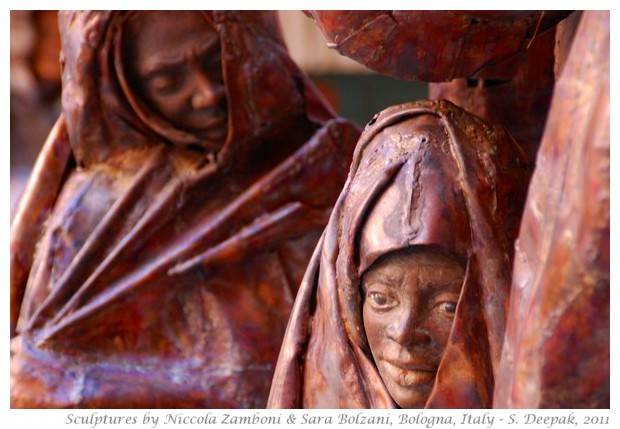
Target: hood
(264, 88)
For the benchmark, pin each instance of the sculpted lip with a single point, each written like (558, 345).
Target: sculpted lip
(409, 375)
(217, 122)
(216, 127)
(215, 117)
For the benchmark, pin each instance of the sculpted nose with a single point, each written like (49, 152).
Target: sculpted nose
(408, 330)
(207, 93)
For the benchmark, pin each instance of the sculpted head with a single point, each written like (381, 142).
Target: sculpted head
(409, 302)
(173, 59)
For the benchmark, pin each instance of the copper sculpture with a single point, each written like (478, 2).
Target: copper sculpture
(158, 248)
(432, 203)
(557, 348)
(523, 83)
(491, 63)
(432, 46)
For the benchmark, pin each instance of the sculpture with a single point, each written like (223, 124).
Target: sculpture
(432, 46)
(409, 301)
(490, 63)
(159, 244)
(429, 184)
(557, 348)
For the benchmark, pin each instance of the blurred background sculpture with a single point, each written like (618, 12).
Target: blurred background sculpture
(158, 247)
(35, 89)
(404, 302)
(432, 46)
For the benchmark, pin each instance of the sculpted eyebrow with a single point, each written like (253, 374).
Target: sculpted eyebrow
(171, 64)
(163, 67)
(446, 285)
(387, 280)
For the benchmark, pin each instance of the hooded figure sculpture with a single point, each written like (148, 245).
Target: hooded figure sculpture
(404, 302)
(158, 247)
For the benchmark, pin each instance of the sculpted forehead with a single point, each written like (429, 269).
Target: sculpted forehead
(161, 33)
(426, 260)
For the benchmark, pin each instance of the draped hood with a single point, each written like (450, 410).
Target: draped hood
(104, 115)
(462, 193)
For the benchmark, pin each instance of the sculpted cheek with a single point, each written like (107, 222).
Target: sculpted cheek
(440, 330)
(374, 330)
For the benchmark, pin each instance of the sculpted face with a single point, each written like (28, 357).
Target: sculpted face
(410, 299)
(174, 59)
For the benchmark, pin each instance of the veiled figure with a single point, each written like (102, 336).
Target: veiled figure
(404, 301)
(158, 247)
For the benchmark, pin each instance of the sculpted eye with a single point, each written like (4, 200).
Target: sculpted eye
(380, 300)
(164, 84)
(448, 307)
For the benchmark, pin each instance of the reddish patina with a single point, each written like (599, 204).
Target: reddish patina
(556, 352)
(154, 265)
(425, 175)
(432, 46)
(515, 93)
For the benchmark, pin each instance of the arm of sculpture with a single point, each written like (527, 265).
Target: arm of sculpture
(292, 211)
(34, 207)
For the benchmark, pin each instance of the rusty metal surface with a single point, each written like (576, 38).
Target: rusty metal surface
(159, 270)
(432, 46)
(423, 174)
(556, 353)
(524, 84)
